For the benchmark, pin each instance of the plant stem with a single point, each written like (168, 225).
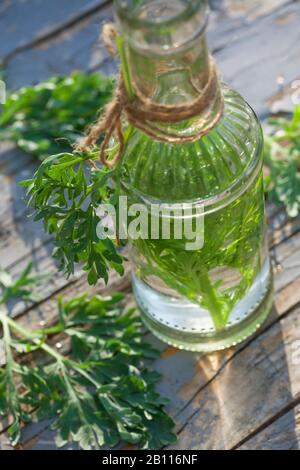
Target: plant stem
(213, 304)
(12, 395)
(64, 361)
(7, 341)
(29, 335)
(125, 68)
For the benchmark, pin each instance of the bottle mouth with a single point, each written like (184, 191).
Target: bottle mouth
(158, 13)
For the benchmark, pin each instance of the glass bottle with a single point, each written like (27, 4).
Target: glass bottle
(216, 295)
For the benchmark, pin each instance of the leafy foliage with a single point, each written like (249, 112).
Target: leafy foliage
(48, 118)
(101, 393)
(24, 287)
(282, 156)
(65, 194)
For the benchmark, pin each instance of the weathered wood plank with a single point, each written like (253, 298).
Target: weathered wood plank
(19, 235)
(76, 48)
(260, 53)
(285, 100)
(23, 22)
(283, 434)
(252, 388)
(12, 160)
(5, 443)
(289, 263)
(251, 10)
(228, 16)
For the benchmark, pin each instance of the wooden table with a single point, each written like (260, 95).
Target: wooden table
(244, 398)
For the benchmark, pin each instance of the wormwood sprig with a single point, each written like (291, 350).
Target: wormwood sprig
(65, 193)
(48, 118)
(282, 156)
(101, 393)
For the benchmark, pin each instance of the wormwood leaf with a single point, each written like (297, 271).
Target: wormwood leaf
(101, 393)
(65, 193)
(48, 118)
(123, 404)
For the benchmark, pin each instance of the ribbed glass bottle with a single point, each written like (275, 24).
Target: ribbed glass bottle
(217, 295)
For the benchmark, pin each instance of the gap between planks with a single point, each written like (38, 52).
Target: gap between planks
(260, 383)
(290, 407)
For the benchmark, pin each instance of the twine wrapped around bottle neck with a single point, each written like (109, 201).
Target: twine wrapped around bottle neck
(147, 116)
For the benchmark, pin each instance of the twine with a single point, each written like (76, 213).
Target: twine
(145, 115)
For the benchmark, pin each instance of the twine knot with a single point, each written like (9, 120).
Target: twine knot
(147, 116)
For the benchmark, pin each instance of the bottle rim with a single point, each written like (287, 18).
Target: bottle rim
(128, 15)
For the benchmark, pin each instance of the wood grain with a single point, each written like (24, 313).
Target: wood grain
(272, 41)
(251, 389)
(75, 48)
(283, 434)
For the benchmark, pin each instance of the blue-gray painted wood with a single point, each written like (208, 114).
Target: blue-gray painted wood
(262, 52)
(256, 385)
(25, 21)
(282, 434)
(77, 48)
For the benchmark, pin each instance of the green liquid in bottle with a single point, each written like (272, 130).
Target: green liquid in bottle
(215, 296)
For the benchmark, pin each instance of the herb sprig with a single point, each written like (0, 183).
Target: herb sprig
(50, 117)
(65, 193)
(282, 156)
(101, 393)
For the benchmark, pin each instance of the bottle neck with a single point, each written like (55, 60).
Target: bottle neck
(173, 79)
(166, 53)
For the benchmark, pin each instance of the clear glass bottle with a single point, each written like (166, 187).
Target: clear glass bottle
(215, 296)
